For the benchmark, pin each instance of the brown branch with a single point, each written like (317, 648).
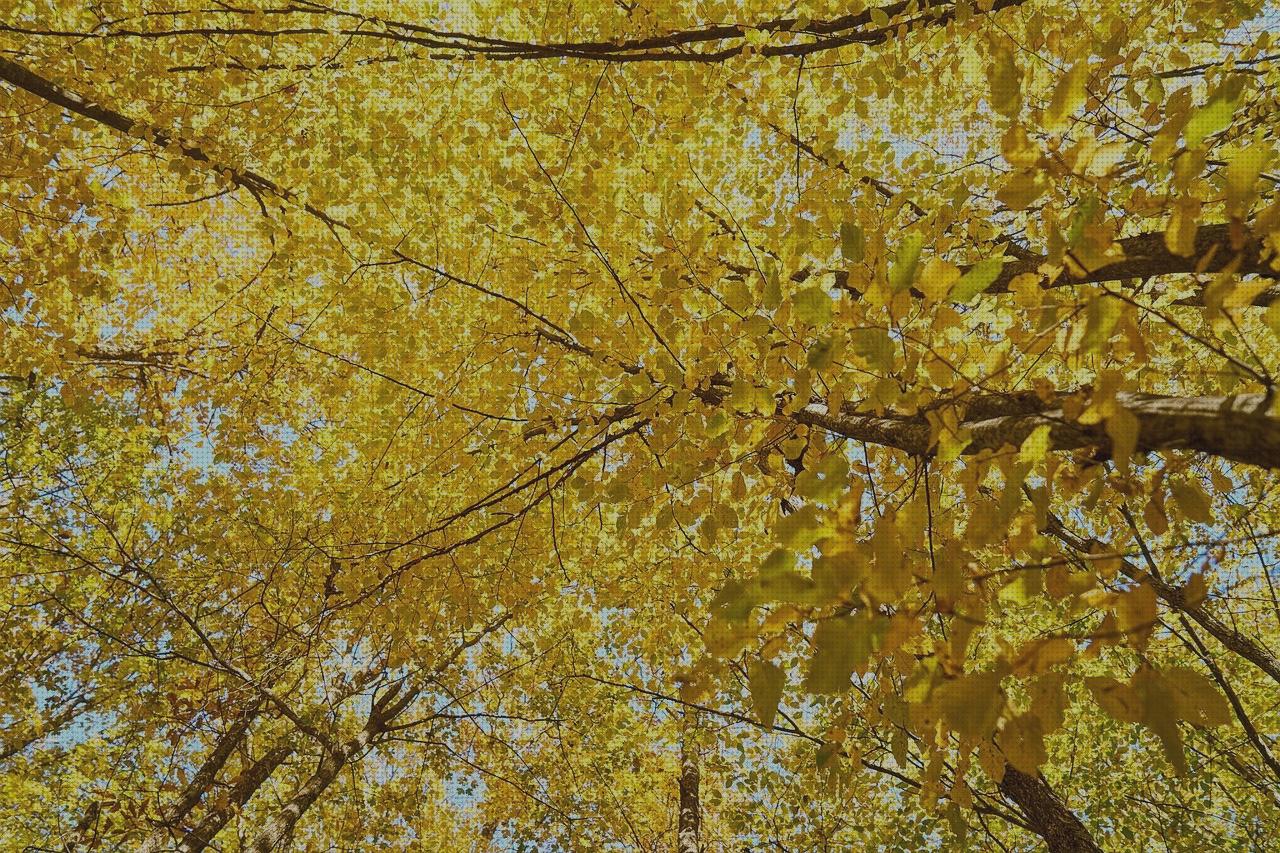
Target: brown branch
(207, 828)
(200, 783)
(1146, 256)
(1237, 428)
(1173, 596)
(721, 42)
(1061, 830)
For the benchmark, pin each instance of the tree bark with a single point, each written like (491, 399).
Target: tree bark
(1147, 256)
(1236, 428)
(208, 827)
(386, 709)
(280, 825)
(204, 778)
(1048, 817)
(689, 824)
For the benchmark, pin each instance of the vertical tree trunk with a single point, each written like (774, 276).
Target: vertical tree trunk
(204, 778)
(1049, 818)
(280, 825)
(689, 827)
(249, 782)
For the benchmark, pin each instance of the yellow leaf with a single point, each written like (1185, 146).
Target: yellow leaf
(971, 704)
(1036, 446)
(1068, 96)
(1022, 189)
(1180, 234)
(1005, 80)
(1195, 591)
(1039, 656)
(766, 682)
(1192, 500)
(1123, 428)
(1022, 742)
(1136, 614)
(936, 279)
(1199, 701)
(1241, 175)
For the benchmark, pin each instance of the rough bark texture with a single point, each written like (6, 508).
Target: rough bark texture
(207, 828)
(689, 828)
(1236, 428)
(200, 783)
(279, 826)
(1061, 830)
(335, 756)
(1147, 256)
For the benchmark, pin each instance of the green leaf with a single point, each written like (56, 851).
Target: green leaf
(766, 682)
(821, 354)
(826, 483)
(853, 243)
(735, 600)
(813, 306)
(841, 645)
(800, 530)
(903, 272)
(979, 277)
(1244, 166)
(1216, 114)
(875, 346)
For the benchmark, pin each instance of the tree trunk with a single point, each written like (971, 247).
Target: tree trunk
(689, 825)
(245, 787)
(1061, 830)
(386, 708)
(204, 778)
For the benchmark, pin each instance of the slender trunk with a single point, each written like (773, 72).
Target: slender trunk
(1048, 817)
(279, 827)
(204, 778)
(207, 828)
(689, 826)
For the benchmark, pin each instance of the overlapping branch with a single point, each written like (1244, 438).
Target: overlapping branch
(1238, 427)
(709, 43)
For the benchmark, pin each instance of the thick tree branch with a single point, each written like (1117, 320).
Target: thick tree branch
(1237, 428)
(200, 783)
(1146, 256)
(720, 42)
(207, 828)
(1061, 830)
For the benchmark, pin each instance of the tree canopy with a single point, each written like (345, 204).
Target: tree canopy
(641, 425)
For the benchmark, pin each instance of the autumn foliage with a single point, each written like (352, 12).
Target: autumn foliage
(639, 425)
